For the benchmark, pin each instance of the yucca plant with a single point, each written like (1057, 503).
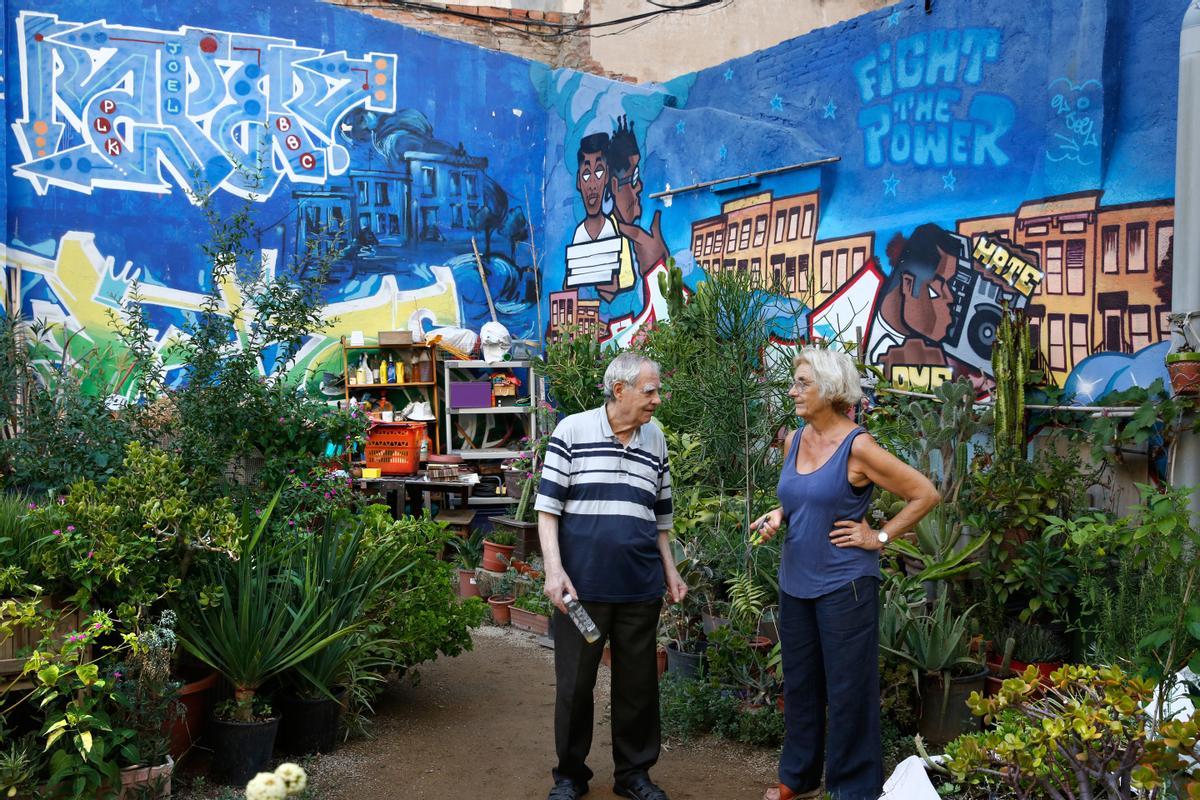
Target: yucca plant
(18, 537)
(271, 617)
(346, 576)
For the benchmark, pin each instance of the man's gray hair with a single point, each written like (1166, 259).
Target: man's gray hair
(625, 369)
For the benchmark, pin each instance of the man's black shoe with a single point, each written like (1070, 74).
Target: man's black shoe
(640, 788)
(566, 789)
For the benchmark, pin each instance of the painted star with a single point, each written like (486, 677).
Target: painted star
(777, 103)
(729, 74)
(830, 110)
(679, 126)
(949, 179)
(893, 19)
(889, 185)
(724, 151)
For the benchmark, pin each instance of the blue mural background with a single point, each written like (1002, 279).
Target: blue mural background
(1035, 161)
(1018, 122)
(443, 142)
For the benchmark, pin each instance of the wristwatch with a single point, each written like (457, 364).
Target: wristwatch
(883, 536)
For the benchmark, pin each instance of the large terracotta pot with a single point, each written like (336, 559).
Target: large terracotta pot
(496, 556)
(196, 697)
(467, 585)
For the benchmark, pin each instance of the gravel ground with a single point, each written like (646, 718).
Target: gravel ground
(481, 725)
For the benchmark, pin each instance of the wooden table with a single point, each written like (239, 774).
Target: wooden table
(411, 488)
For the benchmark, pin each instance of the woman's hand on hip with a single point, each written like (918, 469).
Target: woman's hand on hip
(766, 526)
(849, 533)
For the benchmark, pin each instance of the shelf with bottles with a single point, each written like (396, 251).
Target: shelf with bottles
(408, 369)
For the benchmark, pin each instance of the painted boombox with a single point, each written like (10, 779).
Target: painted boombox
(978, 307)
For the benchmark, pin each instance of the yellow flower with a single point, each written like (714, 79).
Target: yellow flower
(293, 776)
(266, 786)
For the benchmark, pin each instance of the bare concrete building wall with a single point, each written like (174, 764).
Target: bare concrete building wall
(669, 45)
(598, 36)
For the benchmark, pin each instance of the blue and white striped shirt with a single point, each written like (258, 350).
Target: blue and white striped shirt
(611, 500)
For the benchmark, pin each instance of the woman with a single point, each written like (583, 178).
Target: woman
(829, 582)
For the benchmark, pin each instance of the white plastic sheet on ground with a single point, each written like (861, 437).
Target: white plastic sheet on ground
(909, 782)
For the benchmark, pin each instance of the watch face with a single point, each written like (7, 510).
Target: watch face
(883, 537)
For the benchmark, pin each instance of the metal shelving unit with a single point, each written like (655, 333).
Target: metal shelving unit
(453, 416)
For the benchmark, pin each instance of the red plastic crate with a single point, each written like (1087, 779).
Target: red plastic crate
(394, 448)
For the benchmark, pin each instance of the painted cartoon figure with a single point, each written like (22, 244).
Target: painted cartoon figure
(916, 301)
(625, 186)
(598, 254)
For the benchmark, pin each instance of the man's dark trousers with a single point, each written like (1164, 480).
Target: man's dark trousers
(830, 648)
(631, 629)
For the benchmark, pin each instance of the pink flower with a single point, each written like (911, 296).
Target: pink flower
(528, 474)
(281, 420)
(70, 529)
(91, 553)
(117, 674)
(327, 495)
(56, 532)
(32, 506)
(291, 472)
(95, 626)
(292, 522)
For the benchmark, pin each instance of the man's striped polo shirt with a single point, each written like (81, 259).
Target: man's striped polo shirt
(611, 500)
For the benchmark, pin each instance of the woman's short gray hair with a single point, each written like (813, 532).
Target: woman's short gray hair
(834, 374)
(625, 369)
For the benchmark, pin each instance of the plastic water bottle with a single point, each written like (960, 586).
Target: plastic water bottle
(582, 620)
(424, 453)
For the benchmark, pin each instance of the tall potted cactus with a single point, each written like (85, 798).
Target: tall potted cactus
(1011, 355)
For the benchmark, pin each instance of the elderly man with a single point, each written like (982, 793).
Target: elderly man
(604, 520)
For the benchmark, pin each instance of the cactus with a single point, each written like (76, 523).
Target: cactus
(1011, 355)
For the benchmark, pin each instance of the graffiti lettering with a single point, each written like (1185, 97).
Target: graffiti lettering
(1008, 264)
(190, 103)
(914, 122)
(920, 378)
(1075, 130)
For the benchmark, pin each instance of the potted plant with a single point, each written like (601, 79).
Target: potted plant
(1034, 645)
(531, 609)
(523, 522)
(1183, 363)
(935, 645)
(498, 550)
(501, 598)
(312, 707)
(469, 550)
(147, 702)
(268, 620)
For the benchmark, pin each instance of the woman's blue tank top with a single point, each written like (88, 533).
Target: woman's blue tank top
(812, 565)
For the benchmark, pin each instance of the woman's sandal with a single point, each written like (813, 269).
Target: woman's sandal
(781, 792)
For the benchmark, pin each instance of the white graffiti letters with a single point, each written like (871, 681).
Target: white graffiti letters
(139, 109)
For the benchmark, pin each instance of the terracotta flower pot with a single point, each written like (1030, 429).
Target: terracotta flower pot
(761, 643)
(662, 660)
(501, 609)
(1184, 369)
(496, 556)
(606, 656)
(196, 697)
(529, 621)
(467, 586)
(147, 782)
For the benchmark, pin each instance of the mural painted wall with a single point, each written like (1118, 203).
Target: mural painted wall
(966, 160)
(411, 145)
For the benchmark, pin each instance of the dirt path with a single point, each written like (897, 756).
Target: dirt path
(481, 726)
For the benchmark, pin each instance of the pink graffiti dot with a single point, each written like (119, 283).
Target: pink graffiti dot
(366, 86)
(37, 37)
(208, 44)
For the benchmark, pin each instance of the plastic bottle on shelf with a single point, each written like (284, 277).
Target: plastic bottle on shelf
(363, 374)
(582, 619)
(391, 370)
(424, 448)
